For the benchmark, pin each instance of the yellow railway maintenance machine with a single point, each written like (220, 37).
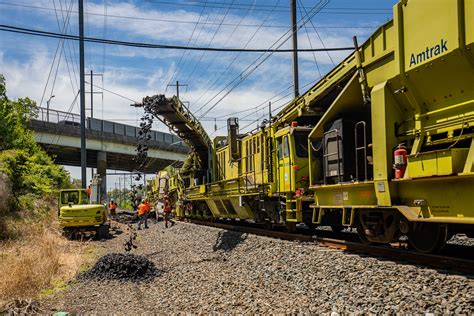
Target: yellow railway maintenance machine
(396, 145)
(383, 143)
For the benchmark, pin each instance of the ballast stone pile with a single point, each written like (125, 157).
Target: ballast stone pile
(208, 270)
(119, 266)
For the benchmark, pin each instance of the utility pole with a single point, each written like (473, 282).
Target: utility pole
(82, 95)
(295, 47)
(177, 85)
(92, 94)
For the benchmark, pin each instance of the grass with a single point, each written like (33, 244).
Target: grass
(35, 258)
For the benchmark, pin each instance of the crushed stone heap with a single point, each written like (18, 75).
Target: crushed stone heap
(119, 266)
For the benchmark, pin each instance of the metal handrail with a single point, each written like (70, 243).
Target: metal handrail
(357, 148)
(58, 117)
(46, 115)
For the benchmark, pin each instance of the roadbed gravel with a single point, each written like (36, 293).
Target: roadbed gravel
(209, 270)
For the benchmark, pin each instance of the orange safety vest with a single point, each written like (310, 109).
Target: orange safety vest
(112, 205)
(148, 206)
(142, 209)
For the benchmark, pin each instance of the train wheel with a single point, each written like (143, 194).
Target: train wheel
(362, 235)
(428, 237)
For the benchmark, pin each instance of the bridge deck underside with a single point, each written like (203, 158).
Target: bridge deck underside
(72, 157)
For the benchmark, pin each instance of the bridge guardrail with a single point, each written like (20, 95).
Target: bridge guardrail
(74, 120)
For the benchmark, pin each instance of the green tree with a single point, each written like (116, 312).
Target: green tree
(14, 116)
(29, 168)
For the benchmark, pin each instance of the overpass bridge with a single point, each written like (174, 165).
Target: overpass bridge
(110, 145)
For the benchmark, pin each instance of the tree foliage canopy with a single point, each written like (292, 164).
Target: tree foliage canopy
(28, 167)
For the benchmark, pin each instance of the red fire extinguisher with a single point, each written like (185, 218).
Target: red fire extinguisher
(400, 161)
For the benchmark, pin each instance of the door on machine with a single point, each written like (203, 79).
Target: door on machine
(284, 164)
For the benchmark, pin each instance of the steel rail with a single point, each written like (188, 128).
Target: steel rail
(448, 263)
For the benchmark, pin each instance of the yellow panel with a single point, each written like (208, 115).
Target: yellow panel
(243, 211)
(435, 34)
(451, 161)
(445, 197)
(469, 14)
(437, 163)
(422, 165)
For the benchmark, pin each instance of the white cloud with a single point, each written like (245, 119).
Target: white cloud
(134, 81)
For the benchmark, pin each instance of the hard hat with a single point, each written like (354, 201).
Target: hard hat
(111, 200)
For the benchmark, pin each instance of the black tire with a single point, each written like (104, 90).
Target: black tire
(103, 232)
(68, 234)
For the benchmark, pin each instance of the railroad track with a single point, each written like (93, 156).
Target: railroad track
(392, 252)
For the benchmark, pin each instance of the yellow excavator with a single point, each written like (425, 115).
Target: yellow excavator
(80, 211)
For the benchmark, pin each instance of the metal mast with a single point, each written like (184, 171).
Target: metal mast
(92, 94)
(295, 47)
(82, 96)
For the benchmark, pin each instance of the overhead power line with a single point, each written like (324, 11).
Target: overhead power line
(262, 7)
(106, 15)
(14, 29)
(225, 71)
(262, 58)
(189, 42)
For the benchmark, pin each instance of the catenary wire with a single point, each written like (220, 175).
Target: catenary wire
(233, 60)
(212, 39)
(15, 29)
(189, 42)
(63, 49)
(310, 43)
(187, 22)
(236, 82)
(52, 64)
(73, 60)
(317, 33)
(196, 40)
(282, 9)
(241, 74)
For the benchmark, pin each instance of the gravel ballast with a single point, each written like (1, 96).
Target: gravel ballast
(119, 266)
(207, 270)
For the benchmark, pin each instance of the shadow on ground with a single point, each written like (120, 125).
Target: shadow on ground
(228, 240)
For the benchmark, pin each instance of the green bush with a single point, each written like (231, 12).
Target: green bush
(30, 170)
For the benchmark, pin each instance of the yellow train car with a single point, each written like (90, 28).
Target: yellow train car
(383, 143)
(397, 142)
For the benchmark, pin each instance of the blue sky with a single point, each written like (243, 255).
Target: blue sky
(136, 72)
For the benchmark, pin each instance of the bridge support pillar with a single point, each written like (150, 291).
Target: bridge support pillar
(102, 171)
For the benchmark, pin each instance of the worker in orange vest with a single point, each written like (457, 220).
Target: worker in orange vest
(88, 191)
(143, 210)
(112, 208)
(167, 211)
